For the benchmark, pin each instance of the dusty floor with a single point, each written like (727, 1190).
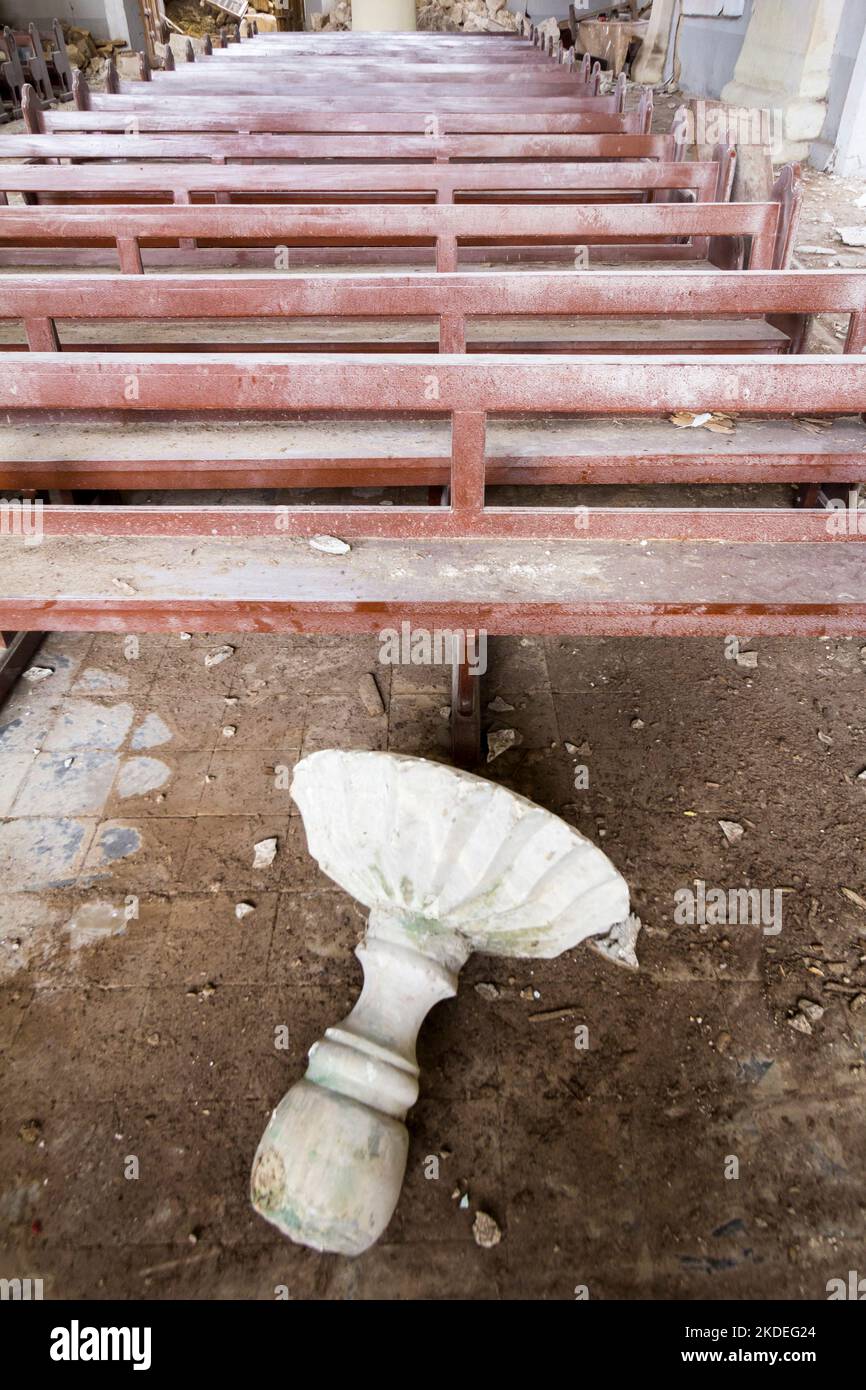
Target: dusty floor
(153, 1038)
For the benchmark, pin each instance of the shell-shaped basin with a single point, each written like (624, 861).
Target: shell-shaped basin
(422, 839)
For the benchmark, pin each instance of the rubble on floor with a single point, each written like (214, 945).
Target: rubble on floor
(89, 56)
(468, 16)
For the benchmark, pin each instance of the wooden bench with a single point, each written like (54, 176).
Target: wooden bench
(23, 61)
(208, 236)
(385, 64)
(146, 175)
(471, 564)
(619, 311)
(378, 89)
(441, 47)
(112, 112)
(207, 135)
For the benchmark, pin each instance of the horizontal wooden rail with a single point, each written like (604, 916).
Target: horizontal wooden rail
(350, 97)
(528, 182)
(217, 147)
(625, 525)
(445, 225)
(591, 115)
(610, 385)
(628, 616)
(371, 68)
(660, 293)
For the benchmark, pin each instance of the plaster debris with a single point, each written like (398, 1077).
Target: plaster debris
(485, 1231)
(229, 730)
(800, 1024)
(852, 236)
(204, 991)
(219, 655)
(265, 853)
(94, 922)
(637, 724)
(747, 659)
(619, 945)
(500, 740)
(810, 1010)
(124, 585)
(243, 910)
(450, 16)
(732, 831)
(500, 706)
(330, 545)
(37, 673)
(712, 420)
(370, 697)
(487, 990)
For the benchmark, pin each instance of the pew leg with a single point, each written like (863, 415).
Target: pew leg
(465, 716)
(822, 494)
(807, 495)
(17, 650)
(465, 689)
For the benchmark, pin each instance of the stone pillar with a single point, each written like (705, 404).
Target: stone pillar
(649, 65)
(784, 64)
(383, 14)
(850, 159)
